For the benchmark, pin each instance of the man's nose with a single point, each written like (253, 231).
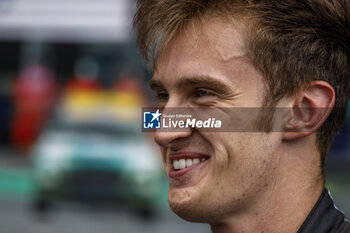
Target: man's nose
(166, 138)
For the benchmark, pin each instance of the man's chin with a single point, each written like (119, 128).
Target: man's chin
(187, 206)
(188, 213)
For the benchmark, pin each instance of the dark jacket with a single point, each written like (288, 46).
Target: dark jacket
(325, 217)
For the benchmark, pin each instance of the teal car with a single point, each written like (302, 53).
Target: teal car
(98, 162)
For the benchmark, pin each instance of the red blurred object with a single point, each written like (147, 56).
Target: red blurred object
(83, 84)
(34, 94)
(130, 84)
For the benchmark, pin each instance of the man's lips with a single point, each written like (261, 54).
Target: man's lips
(183, 162)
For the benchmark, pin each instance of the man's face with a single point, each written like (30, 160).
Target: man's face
(206, 67)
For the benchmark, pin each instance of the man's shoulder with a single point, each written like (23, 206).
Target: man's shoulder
(325, 217)
(346, 228)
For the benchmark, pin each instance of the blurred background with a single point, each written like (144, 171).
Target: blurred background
(72, 155)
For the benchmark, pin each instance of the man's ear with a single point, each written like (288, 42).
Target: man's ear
(311, 107)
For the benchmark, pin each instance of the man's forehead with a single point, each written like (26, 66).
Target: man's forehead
(224, 38)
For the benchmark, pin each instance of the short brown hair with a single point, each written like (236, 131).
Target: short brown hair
(292, 42)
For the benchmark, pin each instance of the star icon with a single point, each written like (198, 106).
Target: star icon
(156, 115)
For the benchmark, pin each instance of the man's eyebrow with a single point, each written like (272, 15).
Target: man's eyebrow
(156, 84)
(202, 81)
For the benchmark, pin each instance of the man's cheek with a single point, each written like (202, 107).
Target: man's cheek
(227, 146)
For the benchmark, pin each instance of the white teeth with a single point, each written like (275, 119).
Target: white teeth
(183, 163)
(176, 164)
(188, 162)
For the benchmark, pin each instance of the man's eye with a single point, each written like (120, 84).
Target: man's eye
(203, 93)
(162, 97)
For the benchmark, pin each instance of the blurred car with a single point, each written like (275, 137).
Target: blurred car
(97, 162)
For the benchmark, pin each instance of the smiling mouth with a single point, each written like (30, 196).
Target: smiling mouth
(185, 165)
(180, 164)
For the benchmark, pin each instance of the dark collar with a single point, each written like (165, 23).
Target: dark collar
(325, 217)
